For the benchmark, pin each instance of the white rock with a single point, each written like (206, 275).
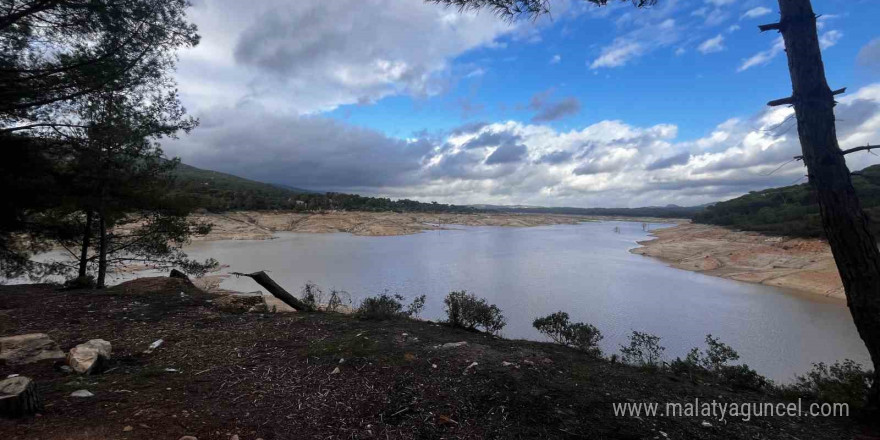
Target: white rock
(154, 346)
(81, 393)
(506, 364)
(335, 371)
(27, 349)
(188, 437)
(451, 345)
(469, 367)
(706, 424)
(85, 358)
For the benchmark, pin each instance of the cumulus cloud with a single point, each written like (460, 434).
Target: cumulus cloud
(310, 56)
(830, 38)
(759, 11)
(712, 45)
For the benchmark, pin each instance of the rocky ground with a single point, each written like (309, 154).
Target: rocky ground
(223, 374)
(260, 225)
(803, 265)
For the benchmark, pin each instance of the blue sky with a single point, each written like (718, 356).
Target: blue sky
(597, 106)
(695, 90)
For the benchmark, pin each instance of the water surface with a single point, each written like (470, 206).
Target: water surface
(585, 270)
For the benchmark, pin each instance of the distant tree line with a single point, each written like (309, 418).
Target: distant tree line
(218, 192)
(791, 210)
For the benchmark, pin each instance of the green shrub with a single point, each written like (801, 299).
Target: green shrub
(714, 365)
(312, 294)
(845, 382)
(467, 311)
(414, 309)
(644, 350)
(578, 335)
(84, 282)
(385, 307)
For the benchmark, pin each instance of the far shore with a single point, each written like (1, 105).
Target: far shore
(799, 264)
(263, 225)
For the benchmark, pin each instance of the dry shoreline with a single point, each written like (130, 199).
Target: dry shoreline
(262, 225)
(802, 265)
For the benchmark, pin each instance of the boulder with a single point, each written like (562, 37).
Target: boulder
(18, 397)
(27, 349)
(88, 358)
(449, 345)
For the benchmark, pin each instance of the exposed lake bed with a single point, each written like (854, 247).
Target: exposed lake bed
(585, 269)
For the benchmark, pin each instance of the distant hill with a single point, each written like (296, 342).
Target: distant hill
(217, 192)
(791, 210)
(669, 211)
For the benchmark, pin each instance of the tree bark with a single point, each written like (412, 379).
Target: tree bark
(19, 397)
(86, 242)
(102, 251)
(845, 224)
(263, 279)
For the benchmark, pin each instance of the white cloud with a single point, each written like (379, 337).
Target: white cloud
(556, 59)
(830, 38)
(618, 54)
(759, 11)
(609, 163)
(764, 56)
(712, 45)
(311, 56)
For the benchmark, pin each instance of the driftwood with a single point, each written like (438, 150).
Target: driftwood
(277, 291)
(18, 397)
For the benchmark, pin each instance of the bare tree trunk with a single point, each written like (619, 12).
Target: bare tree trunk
(276, 290)
(102, 251)
(86, 242)
(845, 224)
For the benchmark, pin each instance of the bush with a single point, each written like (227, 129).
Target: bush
(644, 350)
(334, 302)
(714, 365)
(312, 294)
(467, 311)
(414, 309)
(84, 282)
(385, 307)
(845, 382)
(578, 335)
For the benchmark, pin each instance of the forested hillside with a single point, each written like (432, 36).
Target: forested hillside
(670, 211)
(216, 191)
(791, 210)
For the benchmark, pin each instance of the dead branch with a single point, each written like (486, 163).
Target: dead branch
(277, 291)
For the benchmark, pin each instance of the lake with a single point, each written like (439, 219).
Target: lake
(585, 270)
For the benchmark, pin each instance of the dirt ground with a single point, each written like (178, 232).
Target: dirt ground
(260, 225)
(274, 376)
(804, 265)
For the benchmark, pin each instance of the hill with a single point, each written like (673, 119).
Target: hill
(791, 210)
(218, 192)
(669, 211)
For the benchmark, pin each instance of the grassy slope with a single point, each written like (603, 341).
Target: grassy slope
(271, 376)
(791, 210)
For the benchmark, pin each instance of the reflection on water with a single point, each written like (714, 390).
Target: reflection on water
(585, 270)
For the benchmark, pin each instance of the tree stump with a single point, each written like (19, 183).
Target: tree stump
(19, 397)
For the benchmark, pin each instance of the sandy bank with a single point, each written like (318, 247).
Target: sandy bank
(258, 225)
(805, 265)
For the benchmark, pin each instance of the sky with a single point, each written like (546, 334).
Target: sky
(588, 107)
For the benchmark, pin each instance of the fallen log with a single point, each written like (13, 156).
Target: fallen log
(277, 291)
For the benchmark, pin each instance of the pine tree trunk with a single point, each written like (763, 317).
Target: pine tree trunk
(86, 242)
(845, 224)
(102, 251)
